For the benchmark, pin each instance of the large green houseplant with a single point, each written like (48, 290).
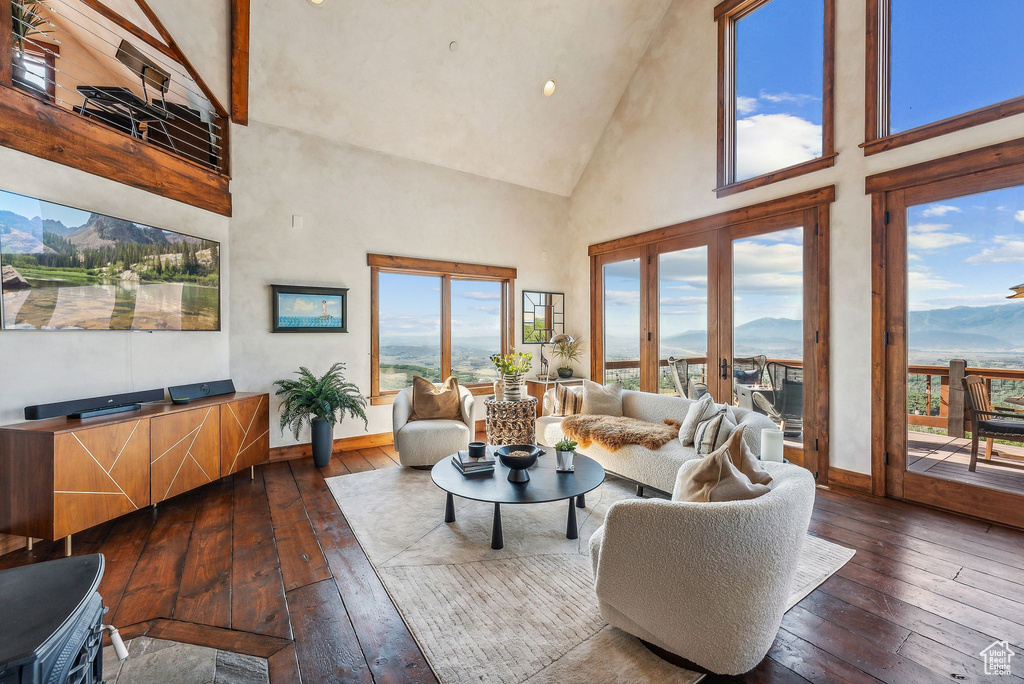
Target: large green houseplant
(321, 402)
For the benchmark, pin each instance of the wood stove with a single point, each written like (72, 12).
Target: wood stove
(51, 622)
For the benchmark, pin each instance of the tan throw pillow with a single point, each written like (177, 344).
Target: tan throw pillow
(715, 478)
(602, 400)
(568, 402)
(435, 403)
(712, 433)
(699, 411)
(744, 459)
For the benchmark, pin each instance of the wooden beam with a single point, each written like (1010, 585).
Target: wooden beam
(6, 45)
(240, 62)
(1010, 153)
(144, 36)
(43, 130)
(437, 267)
(180, 57)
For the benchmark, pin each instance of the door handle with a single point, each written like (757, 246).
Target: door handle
(724, 366)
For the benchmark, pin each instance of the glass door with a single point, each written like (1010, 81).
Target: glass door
(621, 306)
(682, 315)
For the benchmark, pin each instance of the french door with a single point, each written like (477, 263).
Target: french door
(739, 311)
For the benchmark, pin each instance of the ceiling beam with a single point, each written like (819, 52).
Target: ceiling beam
(180, 57)
(240, 61)
(131, 28)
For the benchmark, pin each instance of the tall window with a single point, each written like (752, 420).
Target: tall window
(775, 114)
(935, 66)
(434, 319)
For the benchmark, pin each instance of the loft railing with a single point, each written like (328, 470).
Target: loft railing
(86, 62)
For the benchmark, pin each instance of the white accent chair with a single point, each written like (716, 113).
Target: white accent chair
(425, 442)
(708, 582)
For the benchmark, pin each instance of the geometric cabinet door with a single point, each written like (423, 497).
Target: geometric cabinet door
(245, 433)
(185, 452)
(99, 474)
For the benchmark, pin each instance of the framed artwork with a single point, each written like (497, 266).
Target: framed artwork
(543, 316)
(309, 309)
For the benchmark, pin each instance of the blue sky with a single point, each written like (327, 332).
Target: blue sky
(410, 307)
(31, 208)
(966, 251)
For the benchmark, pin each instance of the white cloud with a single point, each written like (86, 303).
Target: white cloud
(919, 281)
(914, 257)
(481, 296)
(303, 305)
(1019, 216)
(929, 236)
(939, 210)
(957, 300)
(1008, 249)
(769, 142)
(746, 105)
(400, 324)
(622, 297)
(794, 98)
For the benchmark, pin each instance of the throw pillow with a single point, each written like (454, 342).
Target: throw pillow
(430, 402)
(712, 433)
(602, 400)
(744, 459)
(700, 410)
(715, 478)
(568, 402)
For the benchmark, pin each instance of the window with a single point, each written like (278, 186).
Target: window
(936, 66)
(36, 68)
(434, 319)
(775, 86)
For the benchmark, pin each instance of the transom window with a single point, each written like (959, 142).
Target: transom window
(775, 73)
(434, 319)
(935, 66)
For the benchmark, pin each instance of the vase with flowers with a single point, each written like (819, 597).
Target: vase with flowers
(513, 367)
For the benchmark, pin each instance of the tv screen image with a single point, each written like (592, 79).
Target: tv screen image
(68, 269)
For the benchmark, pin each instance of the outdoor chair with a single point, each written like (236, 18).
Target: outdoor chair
(988, 423)
(685, 387)
(787, 397)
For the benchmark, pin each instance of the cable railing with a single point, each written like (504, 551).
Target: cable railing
(77, 62)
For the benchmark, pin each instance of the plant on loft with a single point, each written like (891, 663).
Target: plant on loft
(322, 403)
(26, 20)
(568, 351)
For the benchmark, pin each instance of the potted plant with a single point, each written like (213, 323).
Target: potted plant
(565, 452)
(569, 351)
(26, 21)
(513, 368)
(321, 402)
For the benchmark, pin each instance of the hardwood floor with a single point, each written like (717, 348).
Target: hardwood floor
(269, 567)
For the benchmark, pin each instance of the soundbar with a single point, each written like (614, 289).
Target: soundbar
(95, 406)
(182, 394)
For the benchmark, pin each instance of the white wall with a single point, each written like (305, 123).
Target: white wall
(656, 164)
(38, 367)
(355, 201)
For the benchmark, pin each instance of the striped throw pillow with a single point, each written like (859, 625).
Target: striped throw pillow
(567, 402)
(713, 433)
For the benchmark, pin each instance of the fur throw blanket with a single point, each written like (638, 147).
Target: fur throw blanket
(613, 432)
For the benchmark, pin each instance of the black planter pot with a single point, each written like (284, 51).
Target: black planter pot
(565, 372)
(323, 442)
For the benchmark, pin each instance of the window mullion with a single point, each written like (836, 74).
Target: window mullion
(446, 326)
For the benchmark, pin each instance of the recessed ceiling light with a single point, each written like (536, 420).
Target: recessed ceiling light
(549, 88)
(453, 46)
(316, 3)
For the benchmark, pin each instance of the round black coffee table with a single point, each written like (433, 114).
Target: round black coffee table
(546, 484)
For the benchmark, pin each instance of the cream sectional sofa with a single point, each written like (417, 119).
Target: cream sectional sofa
(654, 469)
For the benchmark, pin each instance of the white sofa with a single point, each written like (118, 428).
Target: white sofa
(425, 442)
(715, 578)
(654, 469)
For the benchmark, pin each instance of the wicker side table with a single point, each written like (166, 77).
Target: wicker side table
(511, 422)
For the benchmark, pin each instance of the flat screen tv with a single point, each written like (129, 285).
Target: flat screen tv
(68, 269)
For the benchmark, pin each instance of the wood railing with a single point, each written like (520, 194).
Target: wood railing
(951, 413)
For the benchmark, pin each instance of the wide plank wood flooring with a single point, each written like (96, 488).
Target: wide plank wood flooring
(270, 567)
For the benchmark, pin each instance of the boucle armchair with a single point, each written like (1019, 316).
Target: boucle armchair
(425, 442)
(706, 581)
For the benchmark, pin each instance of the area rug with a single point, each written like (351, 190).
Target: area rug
(525, 613)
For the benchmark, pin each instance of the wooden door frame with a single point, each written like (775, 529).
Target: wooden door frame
(892, 192)
(810, 210)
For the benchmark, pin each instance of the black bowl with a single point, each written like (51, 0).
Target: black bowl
(517, 465)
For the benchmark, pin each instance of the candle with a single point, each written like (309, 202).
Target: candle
(771, 445)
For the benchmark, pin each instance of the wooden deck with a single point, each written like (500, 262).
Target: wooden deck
(948, 458)
(270, 567)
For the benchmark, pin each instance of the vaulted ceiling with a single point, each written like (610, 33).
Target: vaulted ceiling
(384, 75)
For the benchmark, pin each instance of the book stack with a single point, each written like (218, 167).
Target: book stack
(468, 465)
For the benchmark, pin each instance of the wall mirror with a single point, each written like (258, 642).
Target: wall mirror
(543, 316)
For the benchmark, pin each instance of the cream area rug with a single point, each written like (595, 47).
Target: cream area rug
(525, 613)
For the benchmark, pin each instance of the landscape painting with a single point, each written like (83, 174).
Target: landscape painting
(309, 309)
(68, 269)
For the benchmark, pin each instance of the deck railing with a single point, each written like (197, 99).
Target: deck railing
(944, 405)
